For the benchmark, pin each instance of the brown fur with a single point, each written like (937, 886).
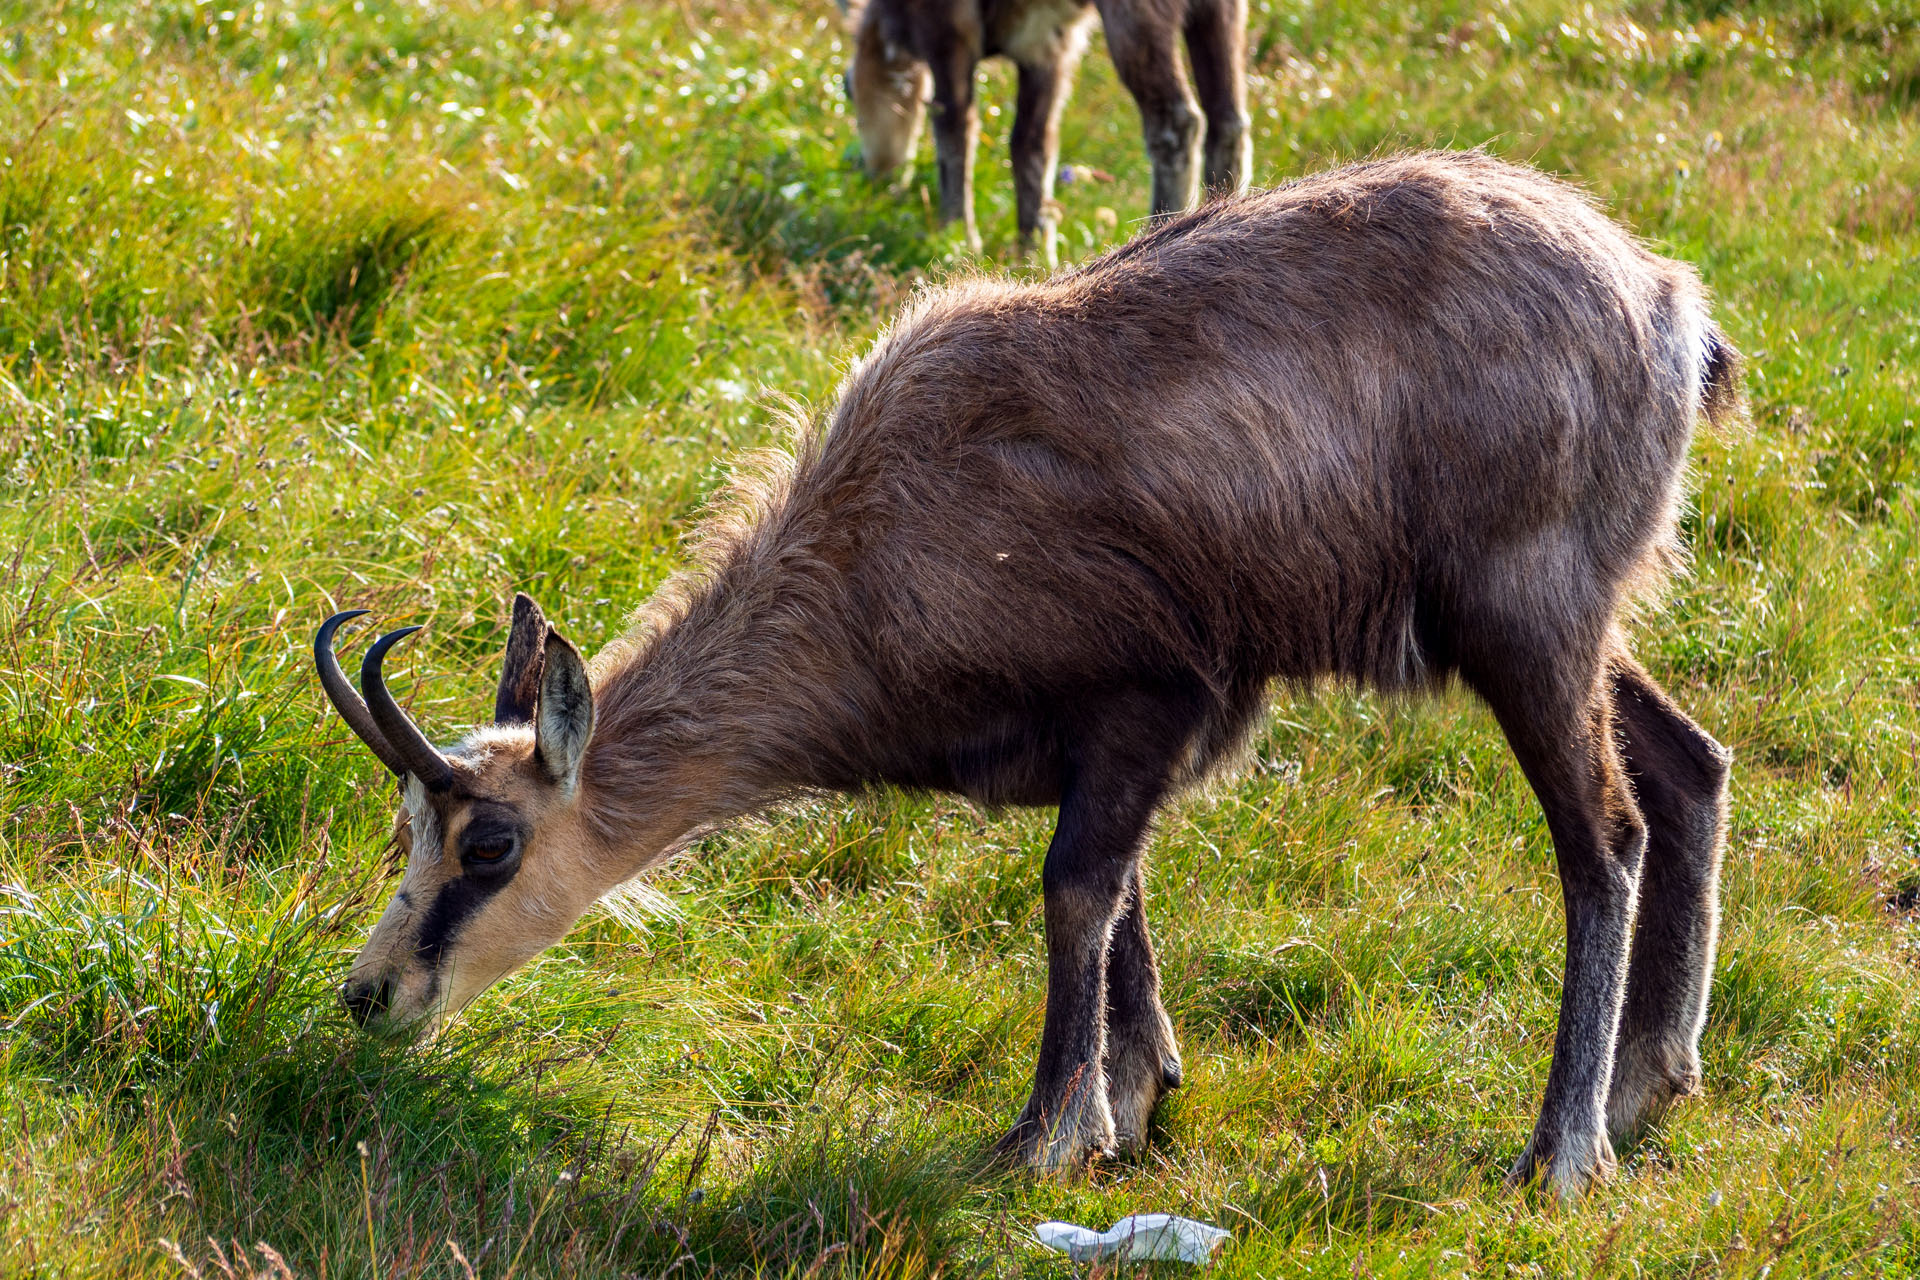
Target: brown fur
(1416, 419)
(912, 53)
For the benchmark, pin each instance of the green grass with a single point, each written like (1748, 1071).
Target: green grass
(407, 304)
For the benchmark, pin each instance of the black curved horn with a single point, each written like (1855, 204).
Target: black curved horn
(417, 756)
(342, 695)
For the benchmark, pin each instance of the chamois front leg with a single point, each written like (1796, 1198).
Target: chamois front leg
(1113, 787)
(956, 132)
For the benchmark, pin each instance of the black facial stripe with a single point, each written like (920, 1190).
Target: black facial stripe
(458, 901)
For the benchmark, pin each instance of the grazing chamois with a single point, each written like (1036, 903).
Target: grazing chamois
(1417, 419)
(907, 52)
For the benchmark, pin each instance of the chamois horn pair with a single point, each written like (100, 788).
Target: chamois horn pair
(378, 719)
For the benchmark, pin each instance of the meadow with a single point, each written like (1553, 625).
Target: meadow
(408, 304)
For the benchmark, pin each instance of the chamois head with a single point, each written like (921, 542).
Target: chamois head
(498, 858)
(889, 88)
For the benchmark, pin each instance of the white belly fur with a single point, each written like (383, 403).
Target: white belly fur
(1045, 31)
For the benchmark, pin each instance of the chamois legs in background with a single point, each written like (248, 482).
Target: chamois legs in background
(1142, 44)
(1217, 50)
(906, 52)
(1044, 86)
(956, 135)
(1141, 38)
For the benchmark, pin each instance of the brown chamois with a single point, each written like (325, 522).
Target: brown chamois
(1417, 419)
(909, 52)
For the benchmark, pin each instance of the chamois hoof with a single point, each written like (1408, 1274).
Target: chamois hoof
(1137, 1078)
(1040, 247)
(1647, 1080)
(1064, 1148)
(1571, 1168)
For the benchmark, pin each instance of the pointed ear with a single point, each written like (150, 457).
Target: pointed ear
(526, 658)
(564, 722)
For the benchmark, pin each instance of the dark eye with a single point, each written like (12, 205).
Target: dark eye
(488, 848)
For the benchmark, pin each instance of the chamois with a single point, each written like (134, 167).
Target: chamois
(1418, 419)
(907, 52)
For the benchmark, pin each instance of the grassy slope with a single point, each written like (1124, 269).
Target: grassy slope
(408, 304)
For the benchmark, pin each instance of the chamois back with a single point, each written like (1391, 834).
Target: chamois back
(1350, 427)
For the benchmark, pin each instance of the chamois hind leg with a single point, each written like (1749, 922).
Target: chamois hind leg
(1140, 38)
(1036, 152)
(1679, 778)
(1217, 51)
(1143, 1062)
(1118, 768)
(1541, 675)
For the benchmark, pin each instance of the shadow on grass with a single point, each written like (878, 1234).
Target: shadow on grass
(437, 1152)
(329, 275)
(770, 203)
(189, 1037)
(348, 1156)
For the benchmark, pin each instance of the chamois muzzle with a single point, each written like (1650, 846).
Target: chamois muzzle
(378, 720)
(366, 999)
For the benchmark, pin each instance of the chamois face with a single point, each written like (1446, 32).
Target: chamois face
(498, 862)
(496, 871)
(889, 88)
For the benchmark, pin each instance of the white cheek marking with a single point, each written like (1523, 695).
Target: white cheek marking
(426, 838)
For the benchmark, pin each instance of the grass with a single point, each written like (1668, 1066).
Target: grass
(406, 304)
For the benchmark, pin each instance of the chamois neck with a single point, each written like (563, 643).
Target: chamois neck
(738, 699)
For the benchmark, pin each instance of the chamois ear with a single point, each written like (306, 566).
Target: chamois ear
(564, 721)
(526, 658)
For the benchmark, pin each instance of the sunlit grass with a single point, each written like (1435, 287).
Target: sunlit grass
(406, 305)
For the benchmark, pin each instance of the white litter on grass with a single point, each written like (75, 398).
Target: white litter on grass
(1141, 1237)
